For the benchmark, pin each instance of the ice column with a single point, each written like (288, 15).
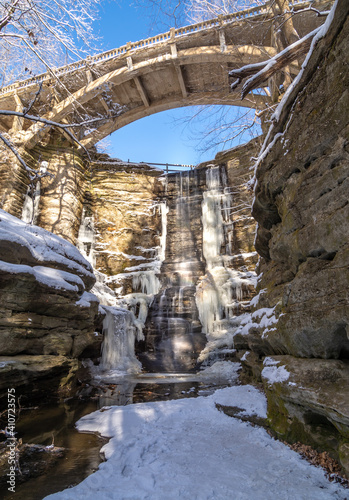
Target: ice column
(30, 211)
(120, 333)
(86, 237)
(212, 222)
(221, 287)
(163, 211)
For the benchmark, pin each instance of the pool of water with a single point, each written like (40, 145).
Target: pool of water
(53, 422)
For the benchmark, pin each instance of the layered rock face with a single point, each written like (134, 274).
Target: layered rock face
(302, 210)
(45, 308)
(54, 202)
(121, 224)
(301, 205)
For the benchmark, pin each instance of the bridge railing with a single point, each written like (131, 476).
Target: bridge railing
(169, 166)
(173, 34)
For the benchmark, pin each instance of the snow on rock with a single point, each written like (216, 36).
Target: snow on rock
(106, 295)
(273, 373)
(265, 319)
(187, 449)
(44, 283)
(221, 370)
(86, 299)
(21, 243)
(248, 398)
(53, 278)
(244, 357)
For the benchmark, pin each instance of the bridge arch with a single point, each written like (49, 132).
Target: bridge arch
(183, 67)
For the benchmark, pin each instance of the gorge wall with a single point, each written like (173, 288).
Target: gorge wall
(301, 313)
(177, 252)
(144, 234)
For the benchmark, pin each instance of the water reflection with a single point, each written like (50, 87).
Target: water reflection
(54, 422)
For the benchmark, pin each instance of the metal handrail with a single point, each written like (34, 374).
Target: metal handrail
(171, 35)
(168, 165)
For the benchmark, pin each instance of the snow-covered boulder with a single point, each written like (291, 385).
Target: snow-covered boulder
(22, 243)
(45, 304)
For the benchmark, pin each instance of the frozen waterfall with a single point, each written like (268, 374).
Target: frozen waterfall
(120, 333)
(220, 292)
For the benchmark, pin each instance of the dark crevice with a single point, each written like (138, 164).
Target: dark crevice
(308, 163)
(335, 163)
(325, 191)
(328, 256)
(321, 253)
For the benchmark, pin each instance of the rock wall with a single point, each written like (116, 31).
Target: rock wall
(122, 208)
(301, 206)
(143, 234)
(62, 195)
(47, 316)
(13, 183)
(59, 196)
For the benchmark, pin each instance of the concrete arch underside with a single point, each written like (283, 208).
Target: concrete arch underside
(138, 89)
(184, 67)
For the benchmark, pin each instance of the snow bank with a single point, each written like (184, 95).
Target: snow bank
(187, 449)
(42, 246)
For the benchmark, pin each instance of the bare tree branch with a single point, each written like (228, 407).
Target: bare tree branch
(47, 31)
(263, 71)
(17, 155)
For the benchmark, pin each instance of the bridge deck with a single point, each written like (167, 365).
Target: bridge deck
(182, 67)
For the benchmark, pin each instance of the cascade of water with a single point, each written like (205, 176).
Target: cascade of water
(120, 333)
(173, 332)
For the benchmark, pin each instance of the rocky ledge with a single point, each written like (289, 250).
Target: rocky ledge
(308, 402)
(46, 309)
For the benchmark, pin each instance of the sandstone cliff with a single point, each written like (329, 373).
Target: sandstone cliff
(301, 206)
(47, 315)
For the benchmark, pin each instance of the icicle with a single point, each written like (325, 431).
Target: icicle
(86, 238)
(30, 210)
(119, 340)
(163, 211)
(146, 282)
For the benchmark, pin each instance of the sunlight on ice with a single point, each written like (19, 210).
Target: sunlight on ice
(220, 293)
(119, 339)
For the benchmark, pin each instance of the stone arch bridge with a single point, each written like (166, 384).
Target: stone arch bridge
(183, 67)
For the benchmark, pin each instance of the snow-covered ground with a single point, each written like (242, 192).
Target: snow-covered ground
(187, 449)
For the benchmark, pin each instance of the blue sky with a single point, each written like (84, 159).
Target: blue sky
(164, 137)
